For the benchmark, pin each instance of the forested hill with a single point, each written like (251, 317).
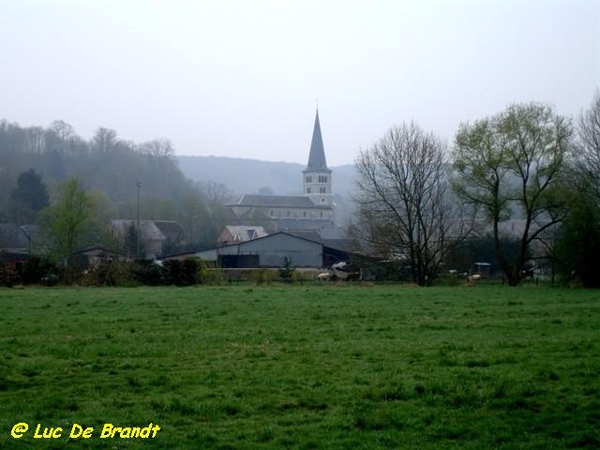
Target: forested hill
(111, 166)
(105, 163)
(251, 176)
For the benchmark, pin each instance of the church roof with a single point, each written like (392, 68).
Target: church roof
(316, 157)
(279, 201)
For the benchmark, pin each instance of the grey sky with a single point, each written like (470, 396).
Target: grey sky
(241, 78)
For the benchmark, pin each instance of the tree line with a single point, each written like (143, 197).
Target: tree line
(424, 204)
(427, 207)
(42, 169)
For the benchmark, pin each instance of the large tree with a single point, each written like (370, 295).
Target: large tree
(511, 165)
(69, 221)
(588, 145)
(579, 237)
(28, 197)
(404, 211)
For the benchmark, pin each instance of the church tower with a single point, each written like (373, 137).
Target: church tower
(316, 176)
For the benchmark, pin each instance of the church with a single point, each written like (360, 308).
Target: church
(312, 211)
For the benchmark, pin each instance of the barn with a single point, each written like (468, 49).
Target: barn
(272, 251)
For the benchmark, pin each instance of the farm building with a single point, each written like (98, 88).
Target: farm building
(156, 234)
(272, 251)
(240, 233)
(17, 242)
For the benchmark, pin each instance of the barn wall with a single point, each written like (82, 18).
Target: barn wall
(207, 255)
(275, 248)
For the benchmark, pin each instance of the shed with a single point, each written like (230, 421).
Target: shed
(272, 250)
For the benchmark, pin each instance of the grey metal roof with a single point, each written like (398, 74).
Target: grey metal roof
(316, 236)
(269, 237)
(316, 157)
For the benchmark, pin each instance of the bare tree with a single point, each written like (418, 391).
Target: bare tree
(104, 140)
(216, 193)
(160, 148)
(512, 165)
(589, 144)
(404, 208)
(193, 216)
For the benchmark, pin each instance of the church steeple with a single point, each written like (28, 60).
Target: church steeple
(316, 176)
(316, 157)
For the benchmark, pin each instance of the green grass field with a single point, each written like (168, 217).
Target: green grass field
(306, 367)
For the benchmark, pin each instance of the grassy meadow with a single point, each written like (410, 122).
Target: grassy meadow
(303, 367)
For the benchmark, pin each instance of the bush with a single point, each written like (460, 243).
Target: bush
(262, 276)
(301, 277)
(191, 269)
(183, 273)
(212, 276)
(8, 275)
(286, 272)
(448, 280)
(148, 273)
(114, 273)
(39, 270)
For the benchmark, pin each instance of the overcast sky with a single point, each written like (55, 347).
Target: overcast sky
(242, 78)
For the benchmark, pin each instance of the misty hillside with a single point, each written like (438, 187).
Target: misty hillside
(248, 176)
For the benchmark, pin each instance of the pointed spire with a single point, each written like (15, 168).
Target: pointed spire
(316, 158)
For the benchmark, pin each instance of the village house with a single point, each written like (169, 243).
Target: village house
(156, 235)
(233, 234)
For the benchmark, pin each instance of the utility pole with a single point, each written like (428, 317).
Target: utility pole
(138, 183)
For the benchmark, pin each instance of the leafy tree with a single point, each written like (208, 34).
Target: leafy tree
(404, 208)
(512, 165)
(104, 163)
(69, 221)
(28, 198)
